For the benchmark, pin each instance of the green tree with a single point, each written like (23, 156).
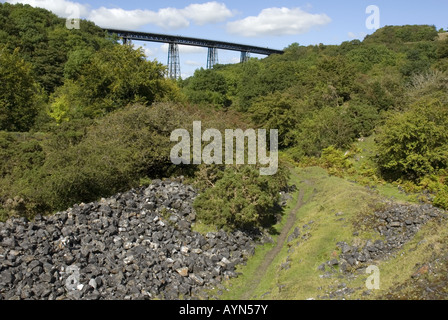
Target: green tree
(112, 78)
(44, 41)
(330, 126)
(207, 87)
(414, 144)
(280, 110)
(19, 93)
(396, 35)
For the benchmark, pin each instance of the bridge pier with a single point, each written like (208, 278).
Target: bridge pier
(245, 55)
(212, 57)
(173, 61)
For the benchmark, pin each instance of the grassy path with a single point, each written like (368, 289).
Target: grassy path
(270, 256)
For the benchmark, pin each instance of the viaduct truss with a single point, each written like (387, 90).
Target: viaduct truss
(175, 41)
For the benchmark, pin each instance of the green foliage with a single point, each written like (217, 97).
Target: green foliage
(20, 95)
(414, 143)
(367, 56)
(441, 198)
(384, 91)
(393, 35)
(75, 163)
(437, 185)
(249, 84)
(21, 154)
(334, 161)
(420, 56)
(207, 87)
(84, 159)
(330, 126)
(75, 60)
(442, 49)
(44, 41)
(279, 110)
(113, 155)
(113, 77)
(363, 118)
(337, 77)
(241, 198)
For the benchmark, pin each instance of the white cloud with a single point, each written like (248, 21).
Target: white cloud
(133, 19)
(166, 18)
(210, 12)
(61, 8)
(149, 52)
(277, 22)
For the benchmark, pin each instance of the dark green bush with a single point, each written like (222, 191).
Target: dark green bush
(241, 198)
(414, 143)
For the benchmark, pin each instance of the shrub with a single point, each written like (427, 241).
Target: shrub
(335, 161)
(83, 161)
(441, 198)
(414, 143)
(241, 198)
(330, 126)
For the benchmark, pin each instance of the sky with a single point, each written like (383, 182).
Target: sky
(273, 24)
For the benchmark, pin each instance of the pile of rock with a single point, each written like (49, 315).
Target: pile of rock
(397, 224)
(134, 245)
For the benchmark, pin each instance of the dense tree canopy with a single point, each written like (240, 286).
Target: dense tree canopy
(107, 80)
(93, 117)
(19, 92)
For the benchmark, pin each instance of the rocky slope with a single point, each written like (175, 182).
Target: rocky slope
(396, 224)
(134, 245)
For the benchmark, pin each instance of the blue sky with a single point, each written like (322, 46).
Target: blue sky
(274, 24)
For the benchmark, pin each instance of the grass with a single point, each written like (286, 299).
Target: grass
(430, 241)
(335, 205)
(334, 195)
(203, 228)
(324, 197)
(339, 209)
(238, 286)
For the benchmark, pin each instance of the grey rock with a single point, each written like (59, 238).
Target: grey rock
(118, 248)
(333, 262)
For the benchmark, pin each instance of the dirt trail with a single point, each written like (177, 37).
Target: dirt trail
(262, 268)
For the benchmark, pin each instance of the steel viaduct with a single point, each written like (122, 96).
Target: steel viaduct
(175, 41)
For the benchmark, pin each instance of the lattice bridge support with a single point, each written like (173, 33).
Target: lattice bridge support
(212, 57)
(173, 61)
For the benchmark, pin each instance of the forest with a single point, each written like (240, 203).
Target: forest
(83, 116)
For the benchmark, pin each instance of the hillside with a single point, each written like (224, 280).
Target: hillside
(86, 141)
(335, 237)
